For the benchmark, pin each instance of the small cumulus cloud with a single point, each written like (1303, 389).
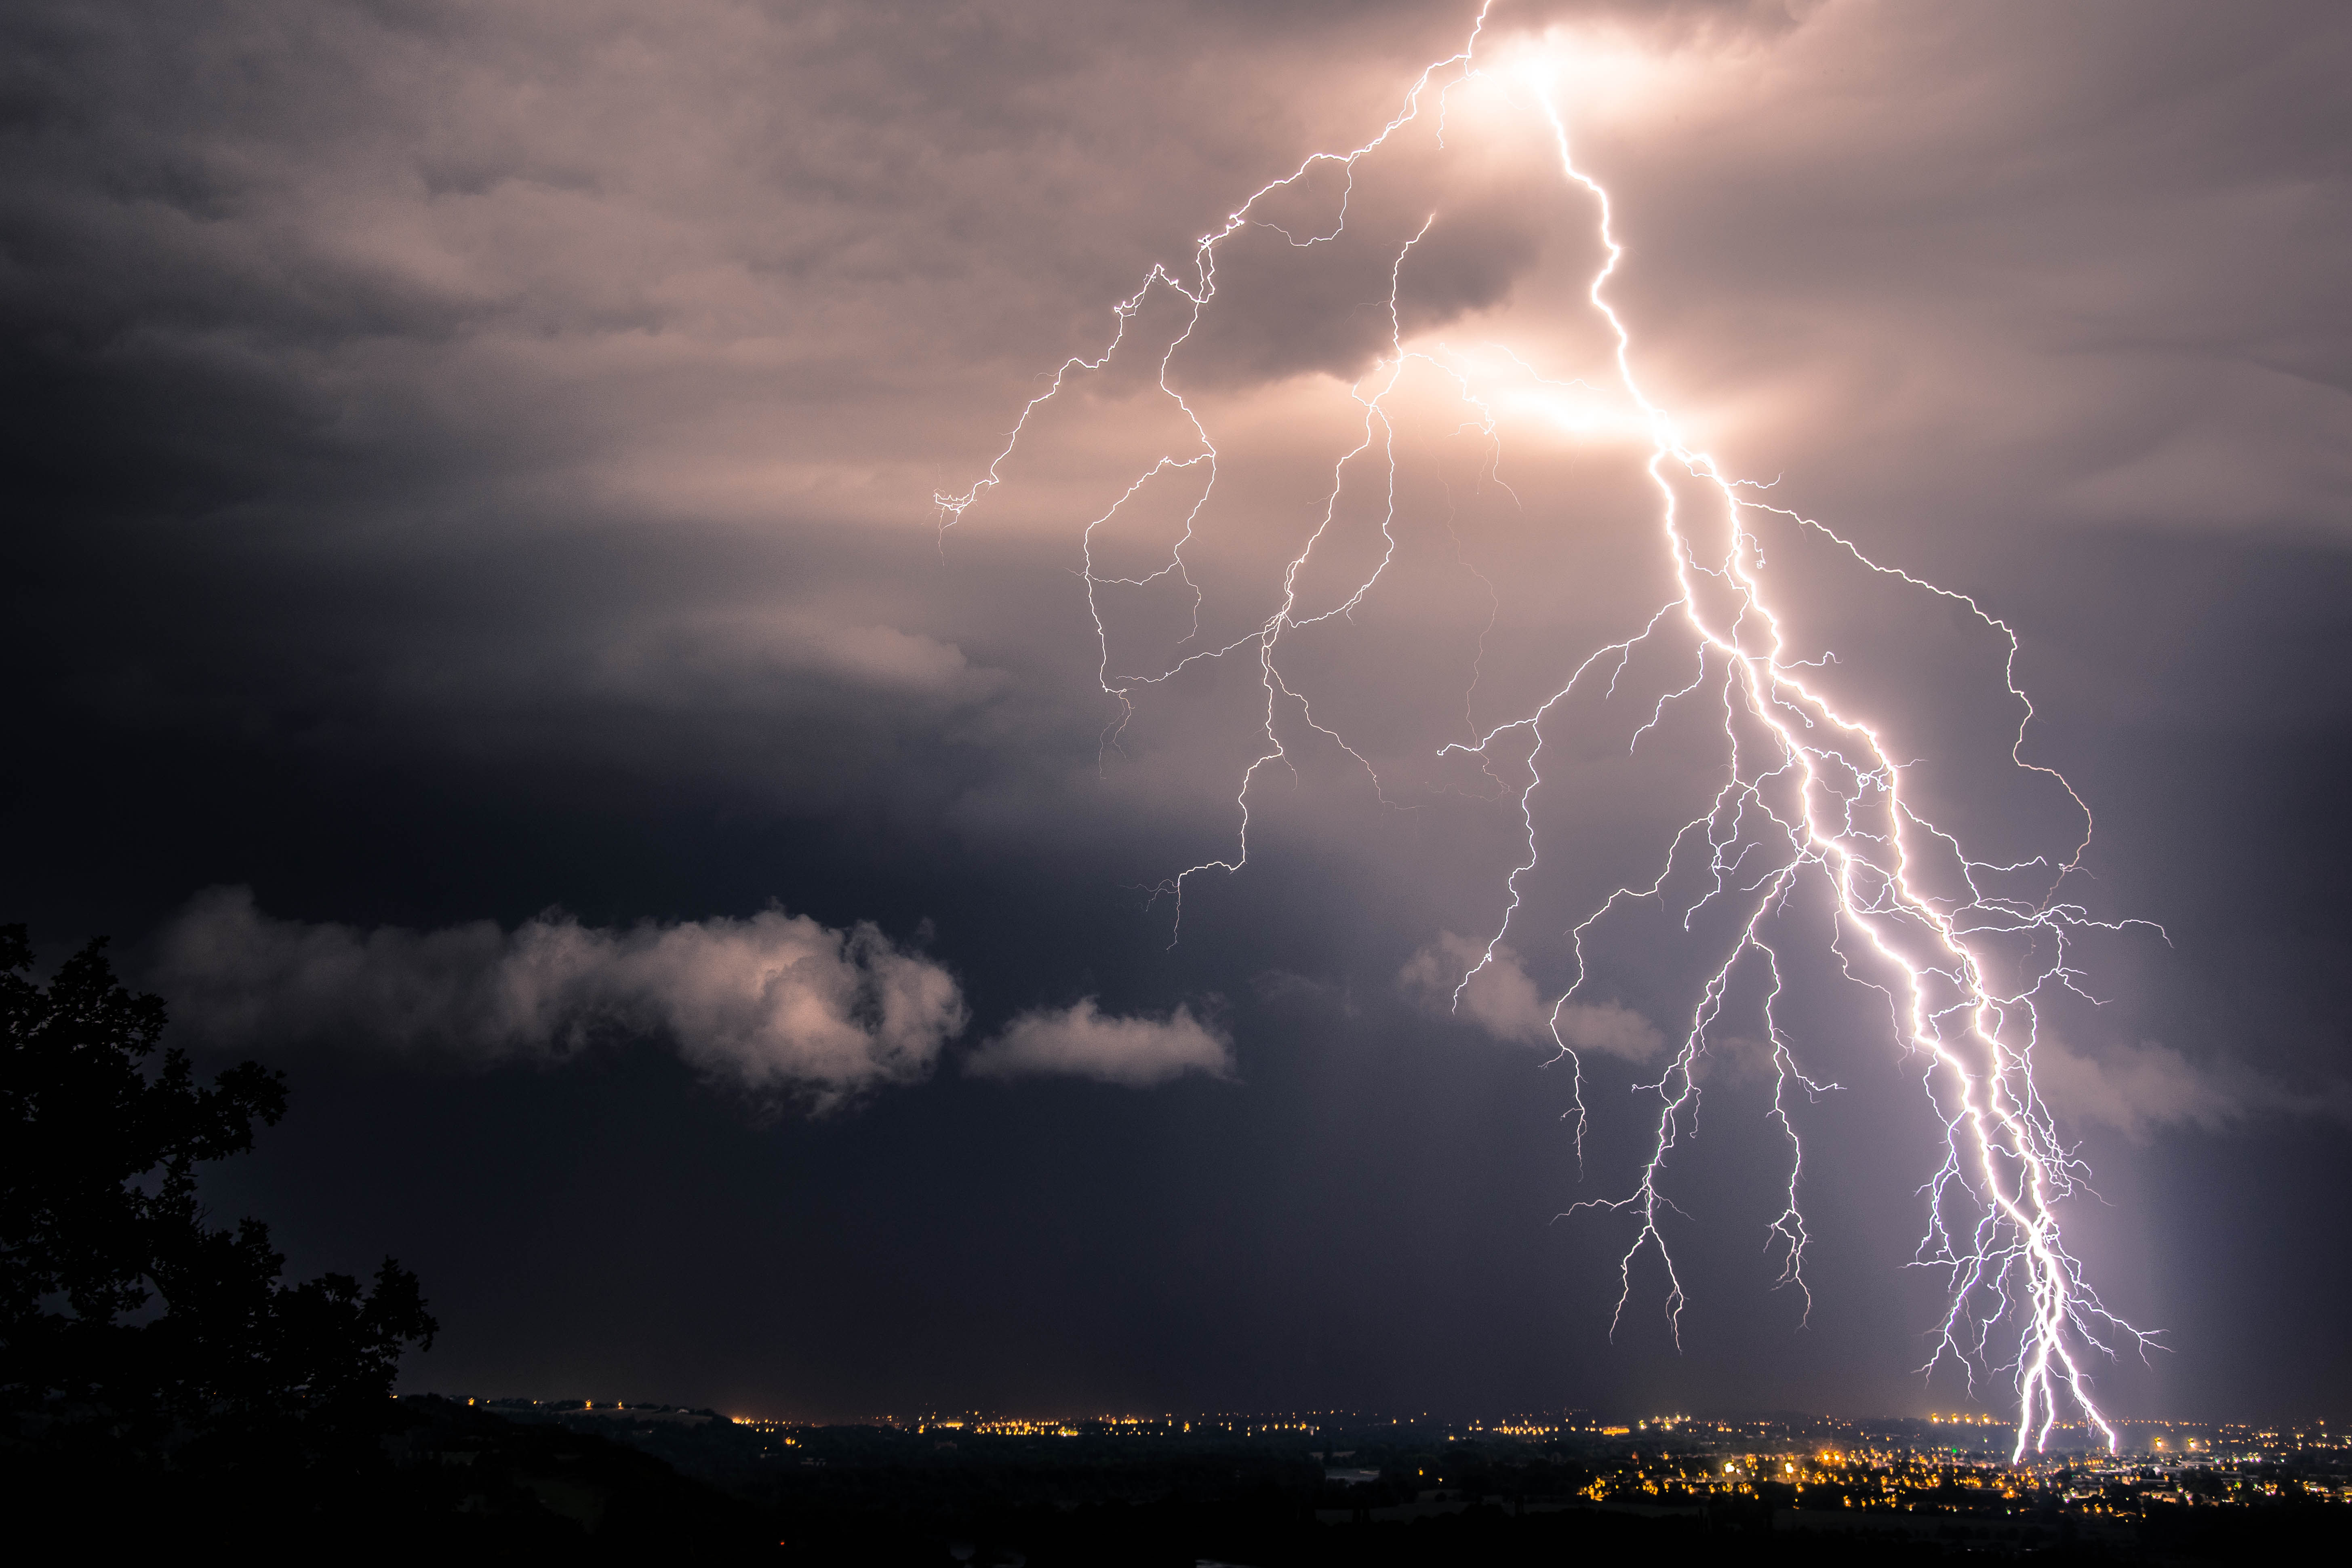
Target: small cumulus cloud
(1502, 999)
(1080, 1041)
(778, 1004)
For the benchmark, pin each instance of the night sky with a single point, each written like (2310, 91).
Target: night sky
(480, 636)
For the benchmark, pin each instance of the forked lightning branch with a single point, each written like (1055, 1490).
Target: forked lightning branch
(1806, 791)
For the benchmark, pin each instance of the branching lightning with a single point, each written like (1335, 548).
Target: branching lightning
(1809, 794)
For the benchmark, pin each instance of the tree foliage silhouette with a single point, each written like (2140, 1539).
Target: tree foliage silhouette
(127, 1320)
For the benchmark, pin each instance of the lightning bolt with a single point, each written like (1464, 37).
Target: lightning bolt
(1810, 795)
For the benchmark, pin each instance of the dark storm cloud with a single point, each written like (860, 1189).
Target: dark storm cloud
(486, 253)
(452, 247)
(468, 461)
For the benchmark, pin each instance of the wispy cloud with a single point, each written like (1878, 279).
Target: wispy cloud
(2138, 1089)
(1079, 1041)
(1501, 1000)
(739, 655)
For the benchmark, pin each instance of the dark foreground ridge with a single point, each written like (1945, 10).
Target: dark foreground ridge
(426, 1476)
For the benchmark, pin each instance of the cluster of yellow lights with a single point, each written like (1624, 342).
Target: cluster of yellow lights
(1014, 1427)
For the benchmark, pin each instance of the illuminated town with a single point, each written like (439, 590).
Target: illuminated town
(1943, 1478)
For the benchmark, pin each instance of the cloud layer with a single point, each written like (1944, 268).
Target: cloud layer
(776, 1004)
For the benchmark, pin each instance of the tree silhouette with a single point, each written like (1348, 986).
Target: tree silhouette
(130, 1326)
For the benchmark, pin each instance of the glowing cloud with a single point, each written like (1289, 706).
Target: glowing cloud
(777, 1004)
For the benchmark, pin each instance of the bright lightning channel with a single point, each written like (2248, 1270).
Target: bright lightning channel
(1809, 792)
